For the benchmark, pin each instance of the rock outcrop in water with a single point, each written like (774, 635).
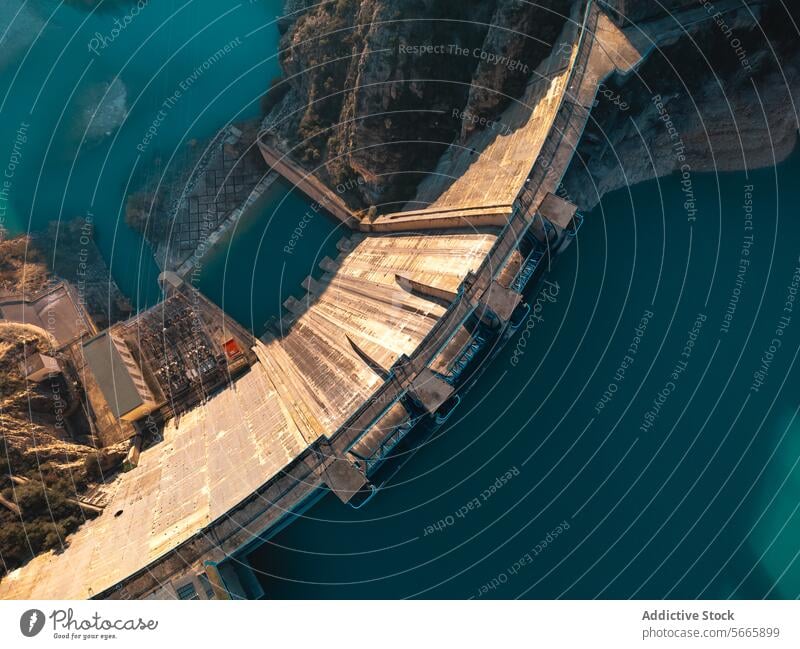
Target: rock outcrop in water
(103, 108)
(72, 254)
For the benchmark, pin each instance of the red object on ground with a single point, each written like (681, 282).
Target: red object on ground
(232, 349)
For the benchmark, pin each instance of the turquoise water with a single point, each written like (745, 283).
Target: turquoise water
(696, 498)
(50, 79)
(266, 257)
(595, 502)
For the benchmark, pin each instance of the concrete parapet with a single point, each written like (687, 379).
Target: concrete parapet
(438, 219)
(420, 288)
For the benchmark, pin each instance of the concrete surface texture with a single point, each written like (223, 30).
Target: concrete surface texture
(477, 181)
(312, 377)
(303, 386)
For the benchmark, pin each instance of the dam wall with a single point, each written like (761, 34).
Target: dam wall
(379, 333)
(476, 181)
(308, 183)
(264, 431)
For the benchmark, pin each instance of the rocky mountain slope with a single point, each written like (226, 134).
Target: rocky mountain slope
(42, 469)
(725, 94)
(374, 90)
(35, 516)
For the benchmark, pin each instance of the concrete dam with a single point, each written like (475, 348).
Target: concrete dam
(381, 338)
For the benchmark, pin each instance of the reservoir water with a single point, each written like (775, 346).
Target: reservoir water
(60, 60)
(682, 481)
(265, 258)
(645, 444)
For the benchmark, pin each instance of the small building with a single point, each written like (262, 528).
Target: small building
(37, 367)
(119, 377)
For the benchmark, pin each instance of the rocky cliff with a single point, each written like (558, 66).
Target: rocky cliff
(41, 469)
(374, 90)
(724, 93)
